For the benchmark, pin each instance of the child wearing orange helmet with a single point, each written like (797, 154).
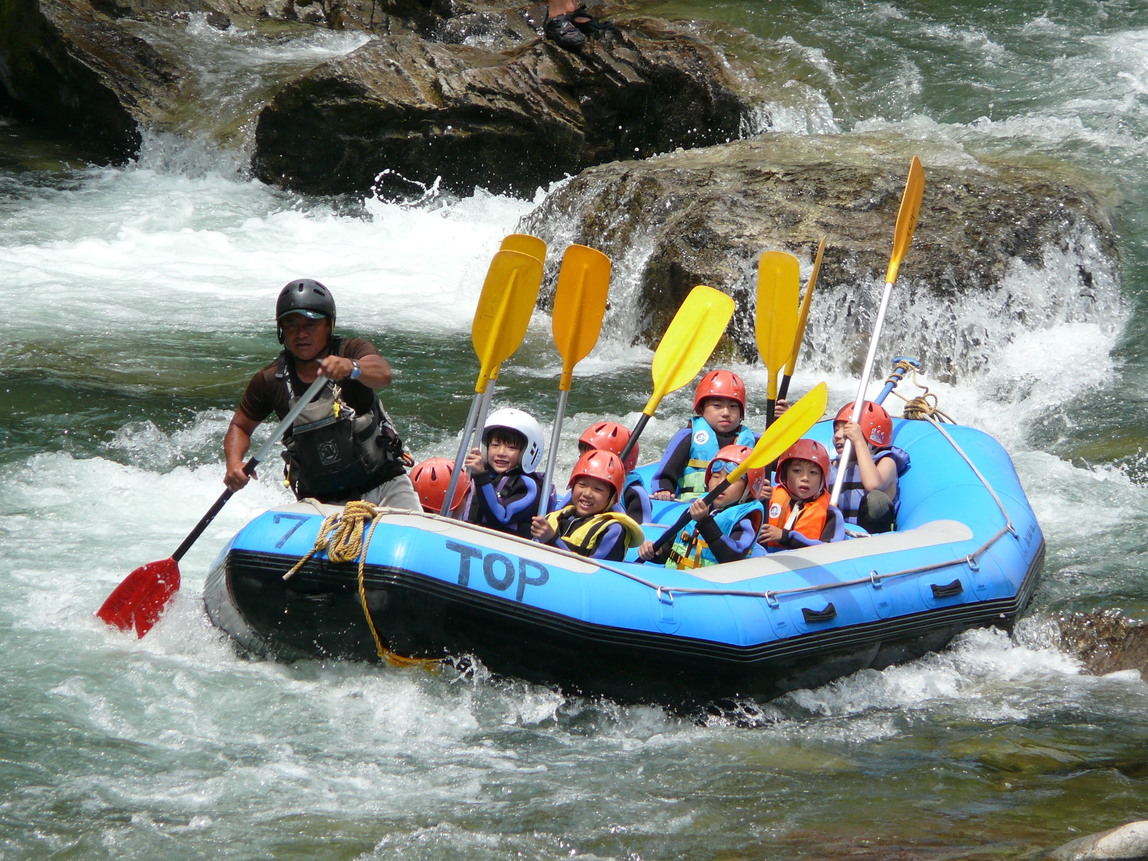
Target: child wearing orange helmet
(869, 495)
(588, 525)
(719, 407)
(431, 479)
(799, 511)
(612, 437)
(728, 531)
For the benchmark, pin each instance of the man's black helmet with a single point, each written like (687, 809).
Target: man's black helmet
(306, 297)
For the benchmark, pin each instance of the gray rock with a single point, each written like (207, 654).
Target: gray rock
(81, 73)
(704, 216)
(403, 109)
(1123, 843)
(1106, 642)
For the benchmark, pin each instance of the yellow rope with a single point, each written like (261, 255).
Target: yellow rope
(341, 535)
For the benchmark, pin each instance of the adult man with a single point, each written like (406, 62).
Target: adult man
(342, 446)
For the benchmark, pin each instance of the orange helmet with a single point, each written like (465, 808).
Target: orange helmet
(720, 384)
(610, 436)
(876, 425)
(431, 479)
(603, 465)
(805, 449)
(729, 458)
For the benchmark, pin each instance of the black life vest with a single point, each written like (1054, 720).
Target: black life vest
(332, 452)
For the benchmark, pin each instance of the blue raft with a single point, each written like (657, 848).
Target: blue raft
(967, 553)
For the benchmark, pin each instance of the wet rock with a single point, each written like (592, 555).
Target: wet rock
(1124, 843)
(704, 217)
(405, 109)
(1105, 642)
(72, 67)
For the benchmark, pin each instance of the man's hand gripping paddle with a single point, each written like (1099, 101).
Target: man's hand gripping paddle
(500, 320)
(685, 347)
(792, 426)
(579, 307)
(141, 598)
(902, 237)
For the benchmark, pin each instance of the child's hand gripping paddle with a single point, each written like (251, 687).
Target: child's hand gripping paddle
(902, 237)
(579, 306)
(141, 598)
(500, 320)
(779, 436)
(685, 347)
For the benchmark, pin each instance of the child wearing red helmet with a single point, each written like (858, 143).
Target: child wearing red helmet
(799, 511)
(588, 525)
(431, 479)
(869, 495)
(728, 531)
(719, 407)
(612, 437)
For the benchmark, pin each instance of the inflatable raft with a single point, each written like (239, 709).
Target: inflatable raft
(967, 553)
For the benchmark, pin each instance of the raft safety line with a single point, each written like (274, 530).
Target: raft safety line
(666, 593)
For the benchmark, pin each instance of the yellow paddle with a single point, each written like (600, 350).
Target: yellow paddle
(788, 429)
(775, 323)
(534, 247)
(500, 320)
(685, 347)
(902, 237)
(579, 307)
(802, 319)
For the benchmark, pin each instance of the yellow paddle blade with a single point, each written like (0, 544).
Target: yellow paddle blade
(775, 324)
(504, 308)
(906, 218)
(803, 314)
(689, 341)
(579, 306)
(524, 243)
(785, 431)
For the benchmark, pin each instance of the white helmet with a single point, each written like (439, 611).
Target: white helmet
(522, 423)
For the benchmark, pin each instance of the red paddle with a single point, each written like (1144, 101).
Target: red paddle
(141, 598)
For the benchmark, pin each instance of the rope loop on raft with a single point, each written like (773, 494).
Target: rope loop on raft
(341, 536)
(924, 405)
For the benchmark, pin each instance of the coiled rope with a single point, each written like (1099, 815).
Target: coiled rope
(923, 406)
(341, 536)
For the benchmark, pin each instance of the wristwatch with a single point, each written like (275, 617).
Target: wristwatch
(355, 370)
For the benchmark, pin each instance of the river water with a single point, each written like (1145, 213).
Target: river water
(137, 301)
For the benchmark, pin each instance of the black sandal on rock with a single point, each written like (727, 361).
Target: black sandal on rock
(588, 24)
(563, 32)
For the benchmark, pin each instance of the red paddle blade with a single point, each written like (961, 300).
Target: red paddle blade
(141, 598)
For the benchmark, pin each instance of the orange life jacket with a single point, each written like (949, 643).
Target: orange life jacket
(810, 516)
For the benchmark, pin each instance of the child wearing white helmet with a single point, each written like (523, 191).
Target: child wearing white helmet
(506, 484)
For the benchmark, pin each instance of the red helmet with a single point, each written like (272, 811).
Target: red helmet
(603, 465)
(736, 454)
(720, 384)
(876, 425)
(805, 449)
(431, 479)
(610, 436)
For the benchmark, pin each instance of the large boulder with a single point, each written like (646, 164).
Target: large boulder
(72, 67)
(704, 216)
(402, 109)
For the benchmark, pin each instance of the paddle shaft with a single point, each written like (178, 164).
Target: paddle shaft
(859, 401)
(249, 467)
(902, 237)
